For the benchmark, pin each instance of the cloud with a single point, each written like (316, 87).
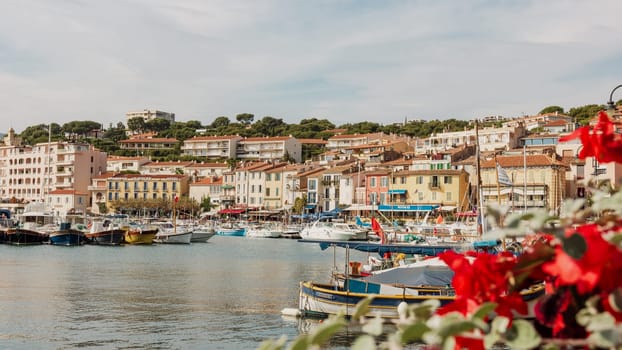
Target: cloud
(342, 60)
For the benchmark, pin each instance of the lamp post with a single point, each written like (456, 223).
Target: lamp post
(611, 106)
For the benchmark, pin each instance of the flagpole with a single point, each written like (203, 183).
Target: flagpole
(525, 177)
(497, 177)
(480, 200)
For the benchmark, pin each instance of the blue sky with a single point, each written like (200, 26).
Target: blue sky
(347, 61)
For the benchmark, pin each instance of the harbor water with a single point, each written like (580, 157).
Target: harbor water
(224, 294)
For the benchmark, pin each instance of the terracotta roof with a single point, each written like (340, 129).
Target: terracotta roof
(265, 139)
(428, 172)
(152, 176)
(349, 136)
(69, 191)
(311, 171)
(161, 164)
(209, 138)
(556, 122)
(208, 165)
(400, 161)
(313, 141)
(120, 158)
(518, 161)
(154, 140)
(103, 175)
(208, 181)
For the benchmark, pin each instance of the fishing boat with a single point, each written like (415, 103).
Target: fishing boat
(168, 233)
(140, 234)
(106, 231)
(22, 236)
(67, 236)
(230, 229)
(412, 284)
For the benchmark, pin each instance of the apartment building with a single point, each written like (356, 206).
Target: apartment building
(68, 201)
(120, 187)
(269, 148)
(490, 139)
(29, 173)
(212, 147)
(143, 146)
(119, 163)
(150, 114)
(163, 168)
(208, 187)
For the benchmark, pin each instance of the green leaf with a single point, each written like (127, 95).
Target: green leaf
(522, 335)
(601, 322)
(374, 326)
(575, 246)
(484, 310)
(456, 327)
(413, 332)
(491, 339)
(500, 325)
(301, 343)
(362, 308)
(364, 342)
(324, 332)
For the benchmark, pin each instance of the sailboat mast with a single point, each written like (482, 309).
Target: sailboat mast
(480, 209)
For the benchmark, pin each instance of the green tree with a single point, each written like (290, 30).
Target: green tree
(245, 118)
(584, 114)
(136, 125)
(552, 109)
(206, 204)
(157, 124)
(220, 122)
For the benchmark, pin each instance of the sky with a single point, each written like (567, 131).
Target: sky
(346, 61)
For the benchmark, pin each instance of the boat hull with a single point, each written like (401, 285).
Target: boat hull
(239, 232)
(322, 300)
(19, 236)
(173, 238)
(107, 237)
(201, 236)
(68, 237)
(139, 236)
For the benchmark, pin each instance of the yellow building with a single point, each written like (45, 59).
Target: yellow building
(142, 186)
(274, 188)
(424, 190)
(543, 187)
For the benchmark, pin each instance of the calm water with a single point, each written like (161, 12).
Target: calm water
(224, 294)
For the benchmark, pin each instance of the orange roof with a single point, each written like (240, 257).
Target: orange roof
(349, 136)
(313, 141)
(208, 138)
(160, 164)
(557, 122)
(265, 139)
(208, 165)
(69, 191)
(155, 140)
(103, 175)
(209, 181)
(152, 176)
(518, 161)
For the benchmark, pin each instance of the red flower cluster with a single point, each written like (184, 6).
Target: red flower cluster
(485, 279)
(601, 142)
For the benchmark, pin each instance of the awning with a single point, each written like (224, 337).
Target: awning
(447, 208)
(227, 187)
(421, 207)
(310, 206)
(397, 191)
(231, 211)
(355, 207)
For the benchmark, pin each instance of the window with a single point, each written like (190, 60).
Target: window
(419, 180)
(109, 196)
(448, 196)
(447, 179)
(174, 186)
(434, 181)
(110, 185)
(145, 186)
(372, 181)
(267, 191)
(403, 179)
(268, 177)
(277, 177)
(384, 181)
(126, 185)
(277, 191)
(252, 188)
(135, 185)
(433, 196)
(155, 187)
(164, 186)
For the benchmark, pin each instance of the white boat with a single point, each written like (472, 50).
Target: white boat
(263, 231)
(202, 233)
(326, 231)
(169, 233)
(360, 234)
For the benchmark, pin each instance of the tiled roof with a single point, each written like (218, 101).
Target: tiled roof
(313, 141)
(155, 140)
(265, 139)
(213, 138)
(209, 181)
(349, 136)
(152, 176)
(208, 165)
(165, 164)
(518, 161)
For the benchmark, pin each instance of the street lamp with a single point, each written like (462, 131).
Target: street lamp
(611, 106)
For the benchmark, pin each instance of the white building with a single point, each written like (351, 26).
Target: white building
(212, 147)
(269, 148)
(118, 164)
(490, 139)
(150, 114)
(64, 202)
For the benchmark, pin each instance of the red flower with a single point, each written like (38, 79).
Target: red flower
(595, 268)
(601, 142)
(482, 280)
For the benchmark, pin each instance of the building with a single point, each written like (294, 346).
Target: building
(123, 187)
(212, 147)
(150, 114)
(29, 173)
(537, 181)
(119, 164)
(158, 167)
(68, 201)
(284, 148)
(490, 139)
(208, 187)
(339, 142)
(147, 145)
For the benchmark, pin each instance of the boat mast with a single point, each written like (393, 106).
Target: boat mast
(478, 185)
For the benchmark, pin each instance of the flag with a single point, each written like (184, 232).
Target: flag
(503, 177)
(176, 198)
(375, 226)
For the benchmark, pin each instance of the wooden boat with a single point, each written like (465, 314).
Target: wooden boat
(21, 236)
(140, 235)
(67, 236)
(413, 283)
(169, 233)
(104, 232)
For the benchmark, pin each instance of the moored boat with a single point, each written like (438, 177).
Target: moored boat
(67, 236)
(140, 235)
(169, 233)
(325, 231)
(21, 236)
(104, 232)
(202, 233)
(263, 231)
(230, 229)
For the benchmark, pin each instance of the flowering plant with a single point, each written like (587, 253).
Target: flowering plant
(577, 255)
